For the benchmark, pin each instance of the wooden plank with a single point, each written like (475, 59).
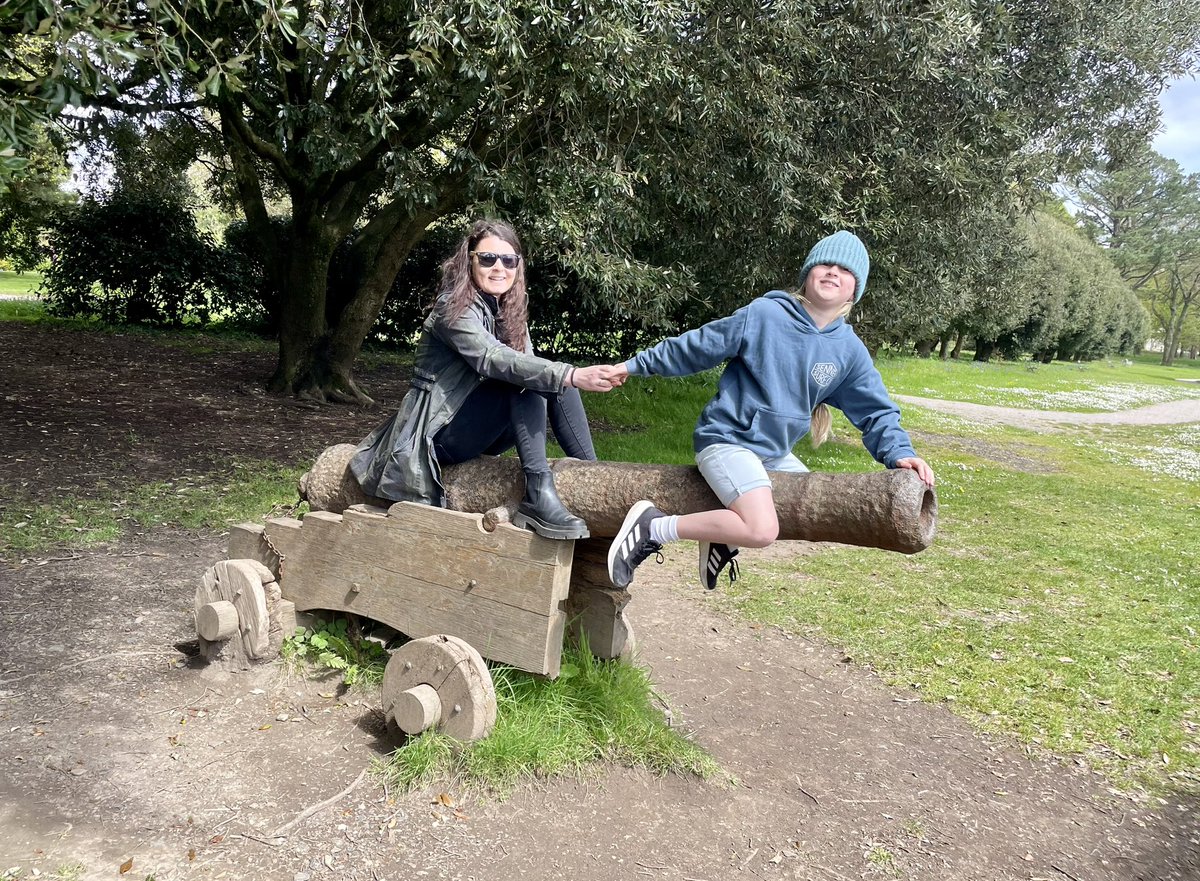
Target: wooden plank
(424, 571)
(247, 542)
(509, 566)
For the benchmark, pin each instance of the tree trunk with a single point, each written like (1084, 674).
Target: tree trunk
(958, 344)
(925, 348)
(944, 346)
(378, 270)
(984, 350)
(892, 510)
(308, 364)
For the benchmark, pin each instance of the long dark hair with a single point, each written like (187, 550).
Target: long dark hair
(457, 282)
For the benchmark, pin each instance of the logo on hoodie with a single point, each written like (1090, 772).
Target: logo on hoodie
(824, 373)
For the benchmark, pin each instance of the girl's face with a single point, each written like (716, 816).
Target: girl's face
(495, 279)
(829, 285)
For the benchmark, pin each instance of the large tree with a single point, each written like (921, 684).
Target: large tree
(651, 148)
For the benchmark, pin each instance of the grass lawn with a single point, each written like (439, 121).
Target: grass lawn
(19, 282)
(1060, 603)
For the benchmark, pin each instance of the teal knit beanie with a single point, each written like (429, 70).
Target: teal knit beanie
(843, 249)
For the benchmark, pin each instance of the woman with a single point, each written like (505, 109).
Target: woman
(478, 388)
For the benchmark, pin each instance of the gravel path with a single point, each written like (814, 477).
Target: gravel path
(1166, 413)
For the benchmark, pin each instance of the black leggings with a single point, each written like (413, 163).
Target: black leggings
(498, 416)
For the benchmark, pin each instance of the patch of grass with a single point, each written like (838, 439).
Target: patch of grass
(244, 490)
(1093, 386)
(22, 310)
(595, 711)
(1062, 608)
(19, 283)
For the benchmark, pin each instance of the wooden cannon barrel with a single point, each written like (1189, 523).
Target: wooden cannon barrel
(892, 510)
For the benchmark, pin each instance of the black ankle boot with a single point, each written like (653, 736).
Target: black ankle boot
(543, 511)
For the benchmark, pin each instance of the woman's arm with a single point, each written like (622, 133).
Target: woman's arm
(486, 355)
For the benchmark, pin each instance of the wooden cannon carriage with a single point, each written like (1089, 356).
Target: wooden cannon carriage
(465, 586)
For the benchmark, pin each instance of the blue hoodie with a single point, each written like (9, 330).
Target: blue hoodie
(780, 366)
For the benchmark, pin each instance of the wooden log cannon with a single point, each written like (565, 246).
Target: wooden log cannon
(892, 510)
(465, 586)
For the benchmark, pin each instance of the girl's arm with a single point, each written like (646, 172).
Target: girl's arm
(707, 346)
(867, 405)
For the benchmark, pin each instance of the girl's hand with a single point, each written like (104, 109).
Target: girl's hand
(918, 465)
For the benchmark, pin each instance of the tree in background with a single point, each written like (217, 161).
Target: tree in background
(1079, 306)
(652, 151)
(1146, 213)
(29, 202)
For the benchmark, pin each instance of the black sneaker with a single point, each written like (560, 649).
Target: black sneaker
(714, 557)
(633, 543)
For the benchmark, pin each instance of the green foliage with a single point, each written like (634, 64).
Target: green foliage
(135, 258)
(331, 646)
(1080, 307)
(669, 159)
(595, 711)
(28, 202)
(1146, 212)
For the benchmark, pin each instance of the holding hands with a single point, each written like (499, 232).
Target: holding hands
(598, 378)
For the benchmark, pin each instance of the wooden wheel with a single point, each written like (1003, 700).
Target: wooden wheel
(439, 681)
(240, 615)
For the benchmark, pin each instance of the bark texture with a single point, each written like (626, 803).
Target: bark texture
(892, 510)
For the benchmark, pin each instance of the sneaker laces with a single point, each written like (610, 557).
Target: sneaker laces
(647, 547)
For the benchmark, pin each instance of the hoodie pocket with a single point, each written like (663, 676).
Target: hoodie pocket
(778, 428)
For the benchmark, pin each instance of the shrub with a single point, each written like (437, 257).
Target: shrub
(133, 258)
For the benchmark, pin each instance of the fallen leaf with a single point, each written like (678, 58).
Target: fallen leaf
(191, 854)
(264, 727)
(445, 799)
(216, 839)
(126, 866)
(459, 814)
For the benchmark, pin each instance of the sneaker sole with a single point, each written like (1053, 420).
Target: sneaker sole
(704, 548)
(526, 522)
(631, 518)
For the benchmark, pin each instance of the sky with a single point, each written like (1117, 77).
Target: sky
(1179, 137)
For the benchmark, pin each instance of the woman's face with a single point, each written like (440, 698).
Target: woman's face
(495, 279)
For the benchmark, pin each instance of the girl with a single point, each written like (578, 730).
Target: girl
(787, 355)
(478, 388)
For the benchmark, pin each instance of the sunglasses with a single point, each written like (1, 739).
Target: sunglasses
(487, 259)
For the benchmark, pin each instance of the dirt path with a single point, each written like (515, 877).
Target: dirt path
(116, 745)
(1166, 413)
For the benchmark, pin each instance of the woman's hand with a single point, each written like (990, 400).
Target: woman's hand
(592, 379)
(918, 465)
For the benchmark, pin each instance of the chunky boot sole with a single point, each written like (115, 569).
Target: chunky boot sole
(528, 521)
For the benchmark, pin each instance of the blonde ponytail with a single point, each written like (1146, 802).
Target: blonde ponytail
(822, 421)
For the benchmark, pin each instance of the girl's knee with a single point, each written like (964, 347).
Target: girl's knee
(761, 535)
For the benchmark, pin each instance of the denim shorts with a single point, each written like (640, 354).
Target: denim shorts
(733, 471)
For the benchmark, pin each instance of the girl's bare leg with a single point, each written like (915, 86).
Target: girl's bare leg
(750, 522)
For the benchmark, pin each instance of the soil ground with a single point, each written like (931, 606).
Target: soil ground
(116, 745)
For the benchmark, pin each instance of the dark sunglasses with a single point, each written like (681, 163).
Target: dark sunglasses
(487, 259)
